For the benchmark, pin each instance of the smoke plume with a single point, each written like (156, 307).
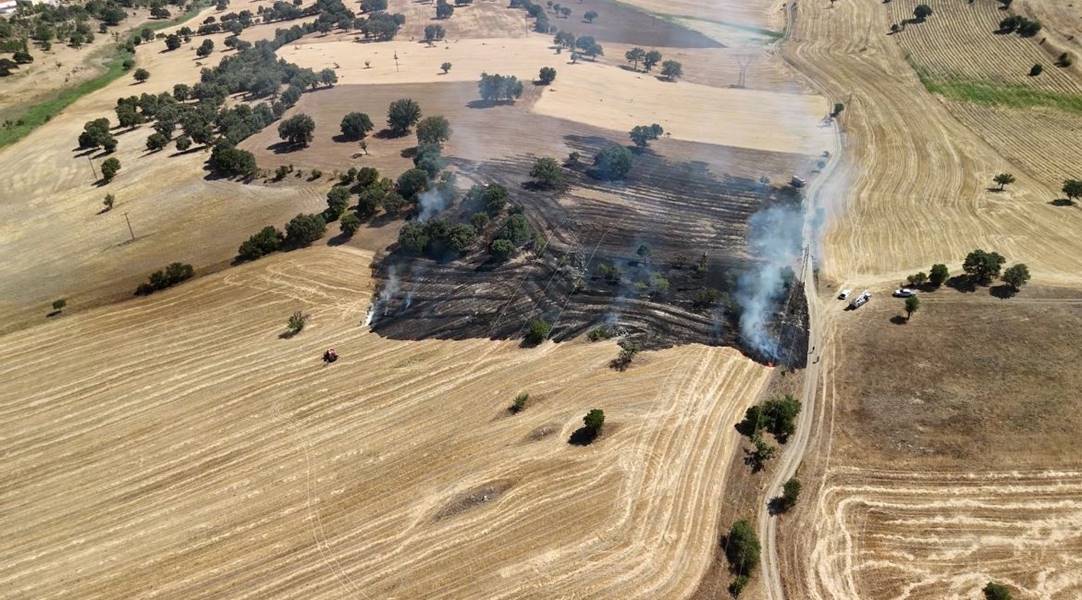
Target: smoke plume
(774, 243)
(431, 203)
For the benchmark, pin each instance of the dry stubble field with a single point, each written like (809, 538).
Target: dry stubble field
(183, 447)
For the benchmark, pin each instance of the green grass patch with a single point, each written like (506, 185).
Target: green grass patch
(42, 112)
(991, 93)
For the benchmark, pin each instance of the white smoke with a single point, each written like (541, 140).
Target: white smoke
(389, 289)
(431, 204)
(774, 243)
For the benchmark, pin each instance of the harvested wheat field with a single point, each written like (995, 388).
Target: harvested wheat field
(185, 448)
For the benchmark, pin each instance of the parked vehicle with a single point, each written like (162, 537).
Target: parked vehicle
(842, 295)
(860, 300)
(904, 293)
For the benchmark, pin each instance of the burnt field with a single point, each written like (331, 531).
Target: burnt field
(662, 258)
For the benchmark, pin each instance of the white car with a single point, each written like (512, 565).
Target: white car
(842, 295)
(904, 293)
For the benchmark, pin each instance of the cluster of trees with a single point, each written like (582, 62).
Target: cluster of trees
(434, 33)
(164, 278)
(982, 268)
(444, 10)
(496, 88)
(537, 12)
(934, 278)
(642, 135)
(437, 238)
(297, 130)
(1072, 189)
(648, 59)
(742, 551)
(97, 134)
(300, 231)
(65, 23)
(777, 416)
(585, 45)
(546, 75)
(1022, 26)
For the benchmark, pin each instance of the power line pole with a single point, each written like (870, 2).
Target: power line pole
(130, 231)
(92, 169)
(396, 61)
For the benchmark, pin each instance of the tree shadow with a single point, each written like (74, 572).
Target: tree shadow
(899, 320)
(961, 283)
(342, 138)
(1062, 202)
(777, 506)
(188, 151)
(583, 436)
(389, 134)
(55, 313)
(482, 104)
(1002, 291)
(287, 334)
(339, 239)
(284, 147)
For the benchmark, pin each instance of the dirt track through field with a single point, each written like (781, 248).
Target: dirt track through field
(182, 447)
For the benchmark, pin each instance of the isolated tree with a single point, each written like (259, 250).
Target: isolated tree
(1072, 188)
(109, 169)
(434, 33)
(651, 59)
(742, 547)
(982, 267)
(349, 223)
(356, 125)
(58, 305)
(298, 130)
(546, 76)
(501, 249)
(205, 48)
(433, 130)
(761, 453)
(304, 229)
(1016, 276)
(779, 416)
(403, 114)
(996, 591)
(172, 41)
(1035, 70)
(108, 203)
(642, 134)
(912, 305)
(411, 183)
(328, 77)
(519, 403)
(917, 279)
(594, 421)
(538, 331)
(141, 75)
(229, 161)
(337, 202)
(634, 56)
(613, 162)
(938, 275)
(445, 67)
(672, 70)
(444, 10)
(922, 12)
(1003, 180)
(547, 173)
(495, 88)
(790, 494)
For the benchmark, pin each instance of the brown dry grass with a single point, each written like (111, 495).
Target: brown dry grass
(183, 448)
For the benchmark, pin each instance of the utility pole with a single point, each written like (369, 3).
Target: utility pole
(92, 169)
(396, 61)
(130, 231)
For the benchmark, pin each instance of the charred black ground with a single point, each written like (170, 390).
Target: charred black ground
(588, 268)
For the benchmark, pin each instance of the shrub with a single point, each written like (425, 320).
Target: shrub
(168, 277)
(736, 587)
(58, 305)
(108, 202)
(938, 275)
(519, 403)
(445, 67)
(501, 250)
(260, 244)
(547, 173)
(296, 322)
(789, 494)
(1035, 70)
(350, 223)
(628, 350)
(614, 162)
(539, 331)
(996, 591)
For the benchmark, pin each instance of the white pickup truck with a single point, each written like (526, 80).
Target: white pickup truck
(860, 300)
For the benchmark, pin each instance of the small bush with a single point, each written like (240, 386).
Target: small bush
(296, 322)
(539, 331)
(519, 403)
(58, 305)
(159, 280)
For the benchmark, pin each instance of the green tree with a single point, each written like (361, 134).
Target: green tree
(519, 403)
(996, 591)
(337, 202)
(403, 114)
(296, 322)
(183, 143)
(205, 48)
(260, 244)
(156, 142)
(672, 70)
(496, 88)
(108, 203)
(433, 130)
(229, 161)
(912, 305)
(109, 169)
(141, 75)
(413, 238)
(789, 494)
(594, 421)
(445, 67)
(444, 10)
(58, 305)
(635, 56)
(501, 249)
(742, 547)
(172, 41)
(613, 162)
(434, 33)
(328, 77)
(298, 130)
(922, 12)
(538, 331)
(349, 223)
(356, 125)
(779, 416)
(546, 76)
(590, 15)
(304, 229)
(938, 275)
(982, 267)
(1016, 276)
(761, 453)
(1003, 180)
(917, 279)
(547, 173)
(651, 59)
(1035, 70)
(1072, 188)
(411, 183)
